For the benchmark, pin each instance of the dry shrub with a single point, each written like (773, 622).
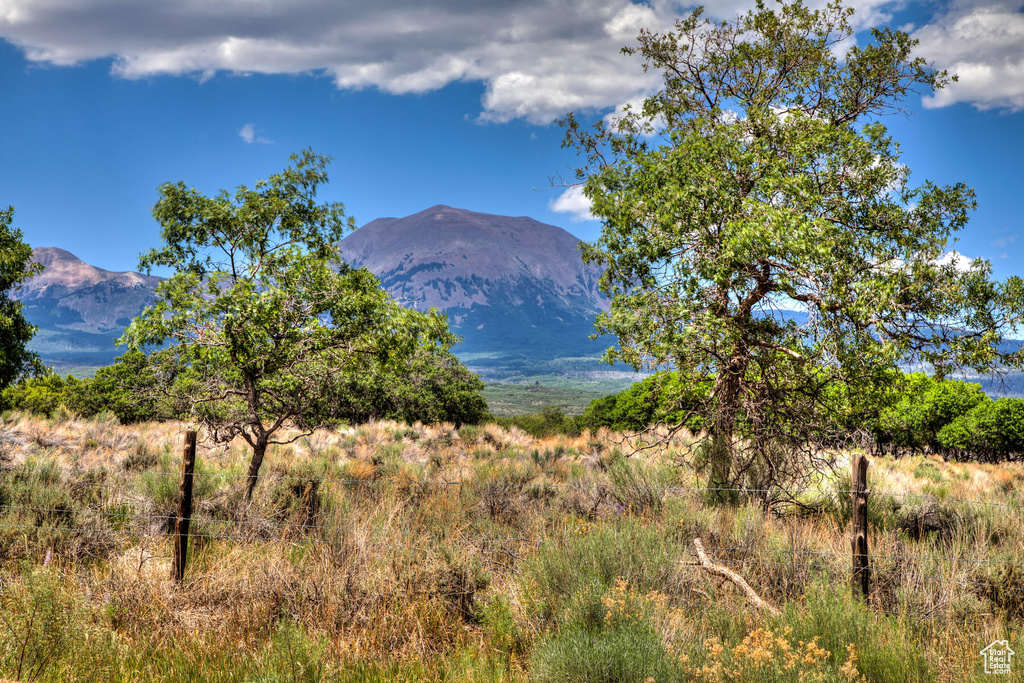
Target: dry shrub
(585, 499)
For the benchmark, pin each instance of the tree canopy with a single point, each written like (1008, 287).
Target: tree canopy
(763, 238)
(261, 320)
(16, 266)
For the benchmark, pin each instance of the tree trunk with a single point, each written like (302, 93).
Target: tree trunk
(258, 451)
(722, 445)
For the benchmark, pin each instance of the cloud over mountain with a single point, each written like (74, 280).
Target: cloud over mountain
(982, 42)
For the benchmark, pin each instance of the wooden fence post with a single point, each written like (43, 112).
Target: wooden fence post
(188, 463)
(861, 578)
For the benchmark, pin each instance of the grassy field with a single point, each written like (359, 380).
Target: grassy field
(506, 400)
(390, 552)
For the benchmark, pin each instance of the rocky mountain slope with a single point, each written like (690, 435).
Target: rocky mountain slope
(515, 289)
(81, 309)
(508, 285)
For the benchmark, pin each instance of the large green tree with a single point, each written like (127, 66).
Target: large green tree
(761, 178)
(16, 266)
(260, 319)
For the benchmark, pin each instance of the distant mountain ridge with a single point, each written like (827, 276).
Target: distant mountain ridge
(515, 289)
(75, 295)
(509, 285)
(81, 309)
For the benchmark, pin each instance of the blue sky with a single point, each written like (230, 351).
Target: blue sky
(419, 102)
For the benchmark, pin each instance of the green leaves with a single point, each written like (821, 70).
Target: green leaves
(241, 234)
(15, 332)
(260, 323)
(760, 180)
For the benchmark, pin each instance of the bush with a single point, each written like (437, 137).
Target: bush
(548, 422)
(42, 395)
(434, 387)
(567, 578)
(626, 653)
(658, 398)
(831, 638)
(125, 389)
(41, 623)
(992, 430)
(925, 408)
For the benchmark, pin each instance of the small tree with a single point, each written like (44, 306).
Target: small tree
(16, 266)
(431, 386)
(260, 319)
(760, 179)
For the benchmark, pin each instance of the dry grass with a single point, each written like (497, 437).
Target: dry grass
(389, 543)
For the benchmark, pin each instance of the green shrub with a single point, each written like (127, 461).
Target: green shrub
(637, 489)
(566, 577)
(628, 653)
(125, 389)
(41, 623)
(550, 421)
(660, 397)
(992, 430)
(831, 638)
(42, 395)
(925, 408)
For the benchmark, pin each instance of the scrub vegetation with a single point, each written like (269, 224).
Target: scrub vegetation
(396, 552)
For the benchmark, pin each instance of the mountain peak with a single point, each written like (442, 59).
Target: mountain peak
(71, 296)
(51, 255)
(486, 272)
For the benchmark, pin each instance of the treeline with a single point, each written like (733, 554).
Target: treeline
(952, 418)
(915, 413)
(433, 387)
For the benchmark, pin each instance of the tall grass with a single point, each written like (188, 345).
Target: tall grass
(392, 552)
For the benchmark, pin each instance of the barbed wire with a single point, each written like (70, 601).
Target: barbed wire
(261, 525)
(380, 482)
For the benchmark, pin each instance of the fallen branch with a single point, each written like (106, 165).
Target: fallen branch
(737, 580)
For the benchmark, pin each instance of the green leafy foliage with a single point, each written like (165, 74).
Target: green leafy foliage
(430, 386)
(261, 321)
(658, 398)
(627, 652)
(925, 407)
(549, 421)
(125, 389)
(760, 179)
(42, 394)
(15, 332)
(991, 430)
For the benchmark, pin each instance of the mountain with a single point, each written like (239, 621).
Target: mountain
(515, 289)
(80, 309)
(511, 287)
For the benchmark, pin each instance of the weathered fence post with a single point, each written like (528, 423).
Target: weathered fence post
(861, 578)
(188, 463)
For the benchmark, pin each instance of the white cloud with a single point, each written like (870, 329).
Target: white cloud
(574, 203)
(959, 261)
(248, 135)
(538, 59)
(982, 42)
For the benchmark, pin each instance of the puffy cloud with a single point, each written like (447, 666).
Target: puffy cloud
(982, 42)
(574, 203)
(248, 135)
(538, 59)
(959, 261)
